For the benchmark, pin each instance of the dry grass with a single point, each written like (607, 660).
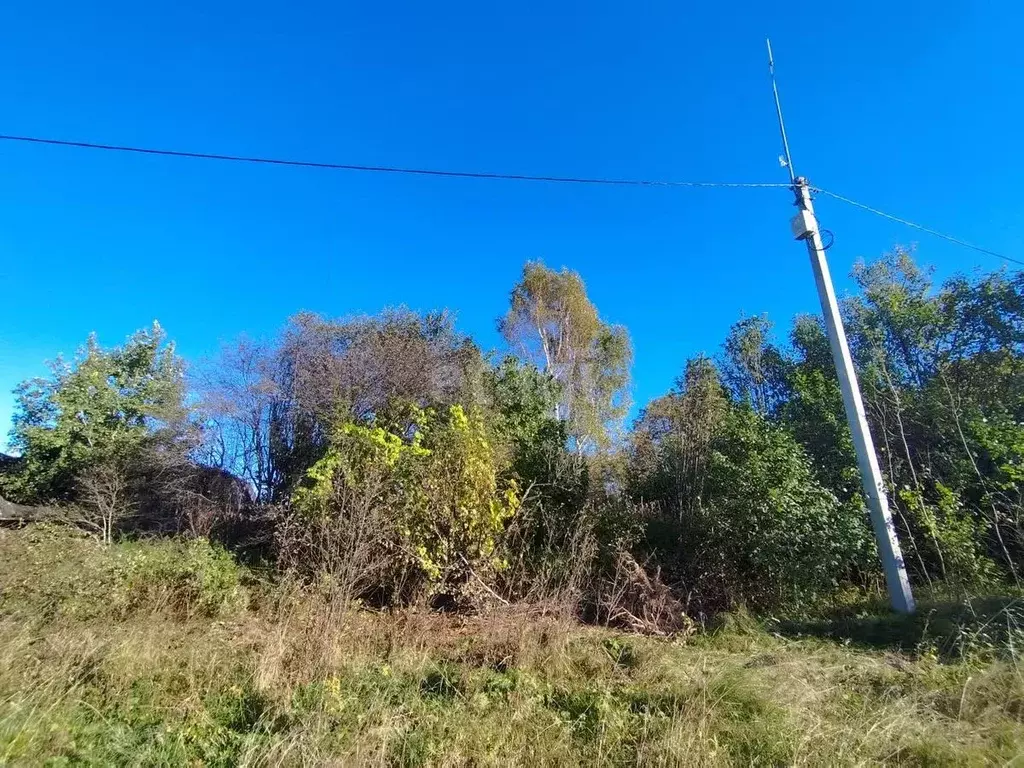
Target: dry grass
(289, 681)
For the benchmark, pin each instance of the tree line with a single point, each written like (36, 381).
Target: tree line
(390, 459)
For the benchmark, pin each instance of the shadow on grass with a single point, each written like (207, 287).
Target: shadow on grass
(953, 629)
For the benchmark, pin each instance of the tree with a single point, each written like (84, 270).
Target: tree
(752, 368)
(740, 515)
(813, 410)
(105, 499)
(237, 397)
(357, 367)
(522, 401)
(103, 409)
(346, 518)
(672, 441)
(937, 365)
(269, 410)
(552, 323)
(769, 533)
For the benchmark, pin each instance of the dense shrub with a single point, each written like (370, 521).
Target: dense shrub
(189, 576)
(739, 515)
(769, 532)
(54, 571)
(388, 511)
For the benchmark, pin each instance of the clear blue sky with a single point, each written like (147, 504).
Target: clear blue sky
(914, 107)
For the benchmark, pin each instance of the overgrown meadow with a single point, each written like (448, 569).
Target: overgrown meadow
(368, 541)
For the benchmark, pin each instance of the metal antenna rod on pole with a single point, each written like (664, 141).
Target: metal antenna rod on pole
(805, 227)
(778, 111)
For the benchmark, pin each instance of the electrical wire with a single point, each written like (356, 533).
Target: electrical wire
(488, 175)
(384, 168)
(907, 223)
(831, 239)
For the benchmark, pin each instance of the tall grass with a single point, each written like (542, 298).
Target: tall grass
(199, 675)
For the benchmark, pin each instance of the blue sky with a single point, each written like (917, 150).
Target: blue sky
(913, 107)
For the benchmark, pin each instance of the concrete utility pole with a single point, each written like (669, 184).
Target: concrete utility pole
(805, 227)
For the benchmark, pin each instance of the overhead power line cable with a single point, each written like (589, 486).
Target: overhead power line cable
(485, 175)
(905, 222)
(385, 168)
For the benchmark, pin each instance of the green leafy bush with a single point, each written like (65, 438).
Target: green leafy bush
(53, 571)
(191, 577)
(426, 497)
(741, 516)
(769, 532)
(458, 508)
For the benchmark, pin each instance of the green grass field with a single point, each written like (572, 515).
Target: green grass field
(168, 653)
